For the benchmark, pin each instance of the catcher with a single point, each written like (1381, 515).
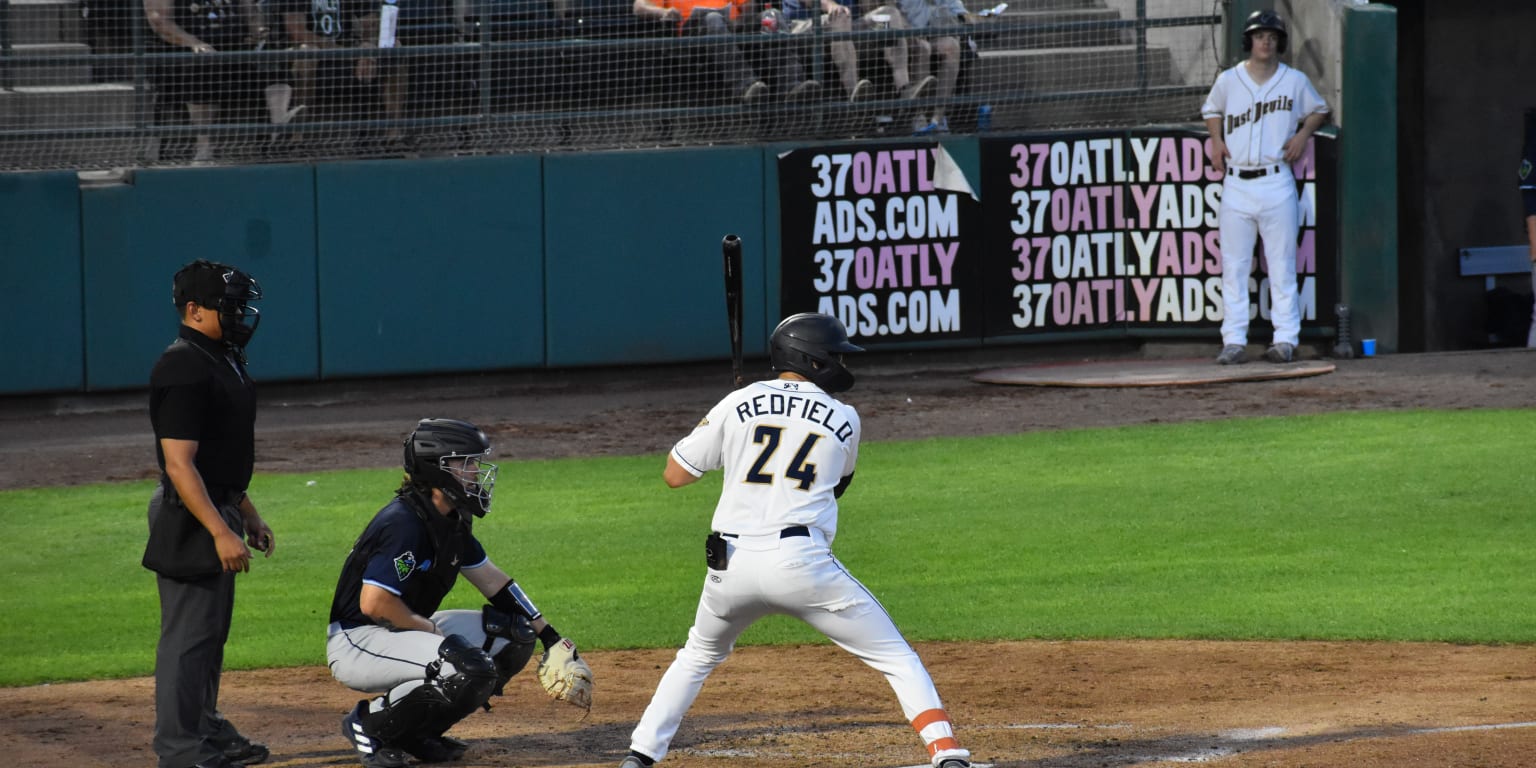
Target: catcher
(433, 668)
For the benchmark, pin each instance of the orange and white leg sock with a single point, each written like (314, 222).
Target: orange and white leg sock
(939, 736)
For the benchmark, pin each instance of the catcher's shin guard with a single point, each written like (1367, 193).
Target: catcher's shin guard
(510, 661)
(513, 656)
(431, 708)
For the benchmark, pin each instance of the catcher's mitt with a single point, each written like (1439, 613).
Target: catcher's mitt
(565, 676)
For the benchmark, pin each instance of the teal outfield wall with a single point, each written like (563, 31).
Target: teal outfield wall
(400, 267)
(41, 331)
(387, 267)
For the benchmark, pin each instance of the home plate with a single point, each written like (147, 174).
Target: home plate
(1149, 373)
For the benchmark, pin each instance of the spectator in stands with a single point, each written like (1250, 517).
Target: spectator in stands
(337, 86)
(721, 17)
(945, 17)
(108, 29)
(837, 16)
(206, 82)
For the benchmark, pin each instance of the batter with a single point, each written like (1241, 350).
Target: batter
(1252, 113)
(788, 450)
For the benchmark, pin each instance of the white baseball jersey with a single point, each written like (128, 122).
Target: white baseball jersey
(1257, 120)
(784, 445)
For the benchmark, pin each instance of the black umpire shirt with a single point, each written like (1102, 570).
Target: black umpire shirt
(199, 391)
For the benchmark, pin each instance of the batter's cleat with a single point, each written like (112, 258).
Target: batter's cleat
(1280, 353)
(954, 762)
(435, 749)
(634, 760)
(1232, 354)
(371, 752)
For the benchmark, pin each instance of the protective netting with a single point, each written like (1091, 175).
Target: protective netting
(109, 83)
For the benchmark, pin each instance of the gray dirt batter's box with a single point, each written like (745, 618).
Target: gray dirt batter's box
(1148, 373)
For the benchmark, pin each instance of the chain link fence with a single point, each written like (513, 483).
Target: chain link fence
(99, 84)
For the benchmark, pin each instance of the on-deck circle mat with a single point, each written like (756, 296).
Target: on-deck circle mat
(1149, 373)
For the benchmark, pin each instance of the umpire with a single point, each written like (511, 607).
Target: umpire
(202, 405)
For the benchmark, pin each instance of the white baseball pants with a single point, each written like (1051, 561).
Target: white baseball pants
(796, 576)
(1259, 209)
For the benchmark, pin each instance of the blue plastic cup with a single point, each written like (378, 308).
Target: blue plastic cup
(1368, 347)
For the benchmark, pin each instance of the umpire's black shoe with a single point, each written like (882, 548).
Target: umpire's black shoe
(243, 751)
(237, 749)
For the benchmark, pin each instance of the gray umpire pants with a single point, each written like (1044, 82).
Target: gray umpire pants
(194, 623)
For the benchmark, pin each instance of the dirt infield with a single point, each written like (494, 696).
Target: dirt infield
(1037, 704)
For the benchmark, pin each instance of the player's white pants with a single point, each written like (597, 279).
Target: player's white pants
(796, 576)
(375, 660)
(1253, 209)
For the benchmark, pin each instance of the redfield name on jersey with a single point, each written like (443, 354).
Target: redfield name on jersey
(794, 406)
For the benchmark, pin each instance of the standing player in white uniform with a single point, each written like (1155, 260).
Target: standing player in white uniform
(1252, 113)
(788, 449)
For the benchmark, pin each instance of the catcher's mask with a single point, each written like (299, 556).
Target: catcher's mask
(1265, 19)
(448, 454)
(812, 345)
(223, 289)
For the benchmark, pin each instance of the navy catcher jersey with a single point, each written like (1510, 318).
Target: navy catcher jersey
(398, 553)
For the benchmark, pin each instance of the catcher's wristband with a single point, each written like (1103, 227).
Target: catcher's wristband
(548, 636)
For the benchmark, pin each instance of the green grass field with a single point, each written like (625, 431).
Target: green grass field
(1411, 526)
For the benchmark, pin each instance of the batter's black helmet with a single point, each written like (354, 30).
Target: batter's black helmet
(224, 289)
(1265, 19)
(448, 454)
(812, 345)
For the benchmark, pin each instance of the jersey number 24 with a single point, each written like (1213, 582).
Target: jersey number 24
(799, 470)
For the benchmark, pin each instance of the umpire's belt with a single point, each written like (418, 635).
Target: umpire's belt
(793, 530)
(1254, 173)
(221, 496)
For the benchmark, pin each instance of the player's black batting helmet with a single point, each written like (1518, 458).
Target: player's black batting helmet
(448, 454)
(812, 345)
(1265, 19)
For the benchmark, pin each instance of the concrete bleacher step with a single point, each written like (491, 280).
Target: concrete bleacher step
(1052, 70)
(67, 106)
(34, 69)
(1046, 5)
(1033, 29)
(44, 21)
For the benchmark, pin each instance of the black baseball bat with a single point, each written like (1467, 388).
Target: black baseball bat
(730, 249)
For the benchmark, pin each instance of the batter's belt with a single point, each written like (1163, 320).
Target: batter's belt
(793, 530)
